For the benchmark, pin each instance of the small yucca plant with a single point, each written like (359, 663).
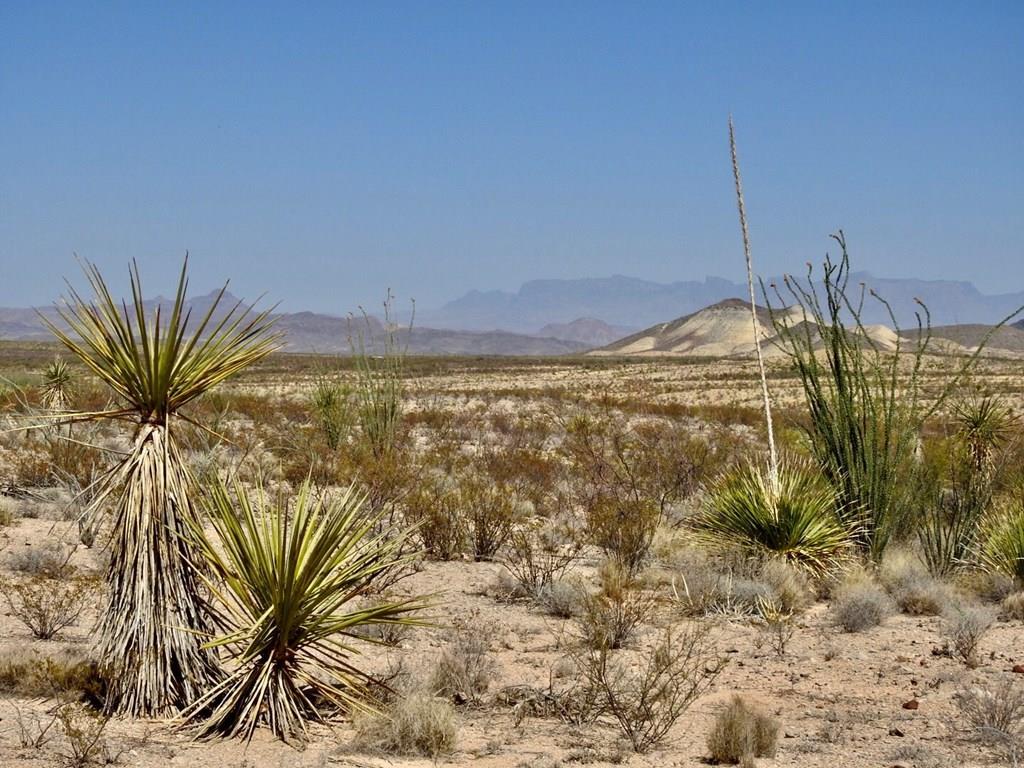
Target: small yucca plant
(58, 383)
(155, 364)
(286, 578)
(1002, 543)
(794, 518)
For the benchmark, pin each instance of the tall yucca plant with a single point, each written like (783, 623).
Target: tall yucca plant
(286, 582)
(155, 364)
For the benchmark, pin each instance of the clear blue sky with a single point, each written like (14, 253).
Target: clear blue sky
(322, 152)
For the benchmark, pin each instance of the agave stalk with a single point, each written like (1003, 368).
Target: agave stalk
(286, 579)
(773, 456)
(155, 364)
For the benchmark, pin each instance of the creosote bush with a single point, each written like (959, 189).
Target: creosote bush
(646, 701)
(610, 618)
(742, 732)
(47, 605)
(966, 625)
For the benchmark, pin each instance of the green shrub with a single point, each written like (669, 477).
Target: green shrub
(1002, 542)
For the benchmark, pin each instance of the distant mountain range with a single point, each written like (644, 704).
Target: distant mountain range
(631, 302)
(330, 334)
(556, 317)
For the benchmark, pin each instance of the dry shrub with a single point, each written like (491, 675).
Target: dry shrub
(66, 676)
(858, 603)
(465, 668)
(994, 715)
(965, 627)
(790, 587)
(541, 553)
(623, 527)
(416, 723)
(563, 598)
(912, 587)
(435, 509)
(489, 512)
(610, 618)
(48, 605)
(646, 701)
(1012, 607)
(49, 560)
(83, 729)
(741, 732)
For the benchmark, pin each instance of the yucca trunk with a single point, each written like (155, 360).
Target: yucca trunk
(154, 606)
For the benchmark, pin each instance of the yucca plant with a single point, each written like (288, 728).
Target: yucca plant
(285, 579)
(156, 364)
(1001, 547)
(58, 382)
(794, 518)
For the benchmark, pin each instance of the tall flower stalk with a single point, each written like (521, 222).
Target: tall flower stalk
(151, 626)
(773, 457)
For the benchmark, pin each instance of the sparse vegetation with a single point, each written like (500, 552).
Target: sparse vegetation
(859, 604)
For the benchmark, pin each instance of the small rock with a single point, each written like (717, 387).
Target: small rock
(912, 704)
(894, 731)
(1019, 669)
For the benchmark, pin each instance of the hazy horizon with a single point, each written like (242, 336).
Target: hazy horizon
(321, 155)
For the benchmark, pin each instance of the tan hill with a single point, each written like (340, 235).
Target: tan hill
(721, 330)
(1007, 341)
(585, 330)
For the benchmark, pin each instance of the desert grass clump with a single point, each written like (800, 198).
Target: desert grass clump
(415, 723)
(465, 669)
(155, 365)
(859, 603)
(64, 675)
(742, 732)
(563, 599)
(48, 560)
(285, 579)
(908, 580)
(792, 517)
(965, 627)
(1012, 607)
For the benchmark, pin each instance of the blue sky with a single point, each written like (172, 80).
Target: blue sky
(323, 152)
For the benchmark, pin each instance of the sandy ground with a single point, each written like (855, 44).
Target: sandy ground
(838, 696)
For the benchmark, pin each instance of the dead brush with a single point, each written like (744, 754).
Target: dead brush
(994, 715)
(539, 553)
(777, 626)
(647, 700)
(465, 669)
(610, 618)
